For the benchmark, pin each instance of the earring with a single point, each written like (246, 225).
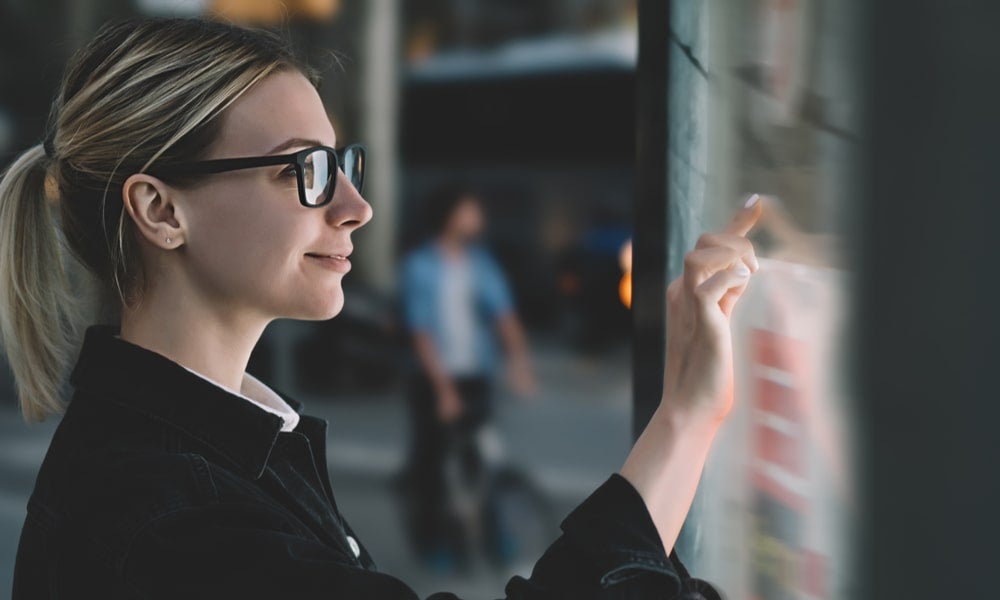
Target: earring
(168, 240)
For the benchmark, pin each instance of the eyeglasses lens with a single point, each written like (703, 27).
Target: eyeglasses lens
(354, 166)
(317, 177)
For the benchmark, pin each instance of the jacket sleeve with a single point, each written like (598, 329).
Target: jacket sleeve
(609, 549)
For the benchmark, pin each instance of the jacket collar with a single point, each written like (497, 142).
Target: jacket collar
(138, 379)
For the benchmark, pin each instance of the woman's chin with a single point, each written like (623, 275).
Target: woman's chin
(329, 311)
(313, 303)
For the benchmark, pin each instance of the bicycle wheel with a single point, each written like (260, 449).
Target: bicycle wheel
(518, 520)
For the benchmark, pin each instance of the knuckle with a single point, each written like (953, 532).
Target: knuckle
(707, 239)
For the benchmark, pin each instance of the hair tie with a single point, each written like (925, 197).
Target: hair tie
(49, 146)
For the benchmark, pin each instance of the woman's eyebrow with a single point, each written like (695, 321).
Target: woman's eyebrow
(295, 142)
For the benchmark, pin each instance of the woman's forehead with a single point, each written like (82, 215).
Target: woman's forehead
(282, 107)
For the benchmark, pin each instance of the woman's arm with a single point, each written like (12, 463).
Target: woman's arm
(227, 547)
(666, 462)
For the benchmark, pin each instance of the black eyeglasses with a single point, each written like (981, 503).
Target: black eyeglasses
(315, 169)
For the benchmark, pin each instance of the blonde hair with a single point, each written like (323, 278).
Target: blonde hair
(143, 91)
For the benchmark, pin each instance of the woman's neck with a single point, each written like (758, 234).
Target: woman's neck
(214, 341)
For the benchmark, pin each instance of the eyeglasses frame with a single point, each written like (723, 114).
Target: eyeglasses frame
(223, 165)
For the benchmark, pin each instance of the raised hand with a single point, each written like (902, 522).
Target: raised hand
(698, 377)
(666, 461)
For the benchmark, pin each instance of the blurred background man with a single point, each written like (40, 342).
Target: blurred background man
(456, 302)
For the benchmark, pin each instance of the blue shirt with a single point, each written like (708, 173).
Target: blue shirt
(422, 277)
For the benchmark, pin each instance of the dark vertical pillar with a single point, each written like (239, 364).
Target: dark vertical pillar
(929, 335)
(649, 245)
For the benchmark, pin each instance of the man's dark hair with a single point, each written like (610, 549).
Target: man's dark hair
(441, 202)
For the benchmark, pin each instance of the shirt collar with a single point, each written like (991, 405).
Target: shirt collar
(257, 393)
(147, 382)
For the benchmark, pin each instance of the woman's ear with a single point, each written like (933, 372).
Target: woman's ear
(151, 205)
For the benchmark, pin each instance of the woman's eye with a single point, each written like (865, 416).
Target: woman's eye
(288, 171)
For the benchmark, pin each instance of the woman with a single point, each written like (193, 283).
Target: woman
(194, 170)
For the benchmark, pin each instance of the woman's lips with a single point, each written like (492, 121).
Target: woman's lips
(334, 262)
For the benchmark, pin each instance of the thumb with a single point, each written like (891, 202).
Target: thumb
(723, 288)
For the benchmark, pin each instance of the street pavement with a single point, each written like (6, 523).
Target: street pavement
(569, 439)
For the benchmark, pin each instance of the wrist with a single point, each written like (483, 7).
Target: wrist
(518, 361)
(686, 419)
(665, 465)
(443, 387)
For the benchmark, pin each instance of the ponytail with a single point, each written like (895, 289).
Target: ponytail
(39, 314)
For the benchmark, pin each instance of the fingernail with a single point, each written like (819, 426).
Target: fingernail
(752, 200)
(742, 270)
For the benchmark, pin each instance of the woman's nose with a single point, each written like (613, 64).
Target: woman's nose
(348, 208)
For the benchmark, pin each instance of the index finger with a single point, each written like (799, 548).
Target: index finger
(746, 217)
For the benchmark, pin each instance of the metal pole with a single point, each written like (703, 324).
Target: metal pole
(649, 246)
(381, 82)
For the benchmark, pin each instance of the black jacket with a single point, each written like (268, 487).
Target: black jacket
(161, 484)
